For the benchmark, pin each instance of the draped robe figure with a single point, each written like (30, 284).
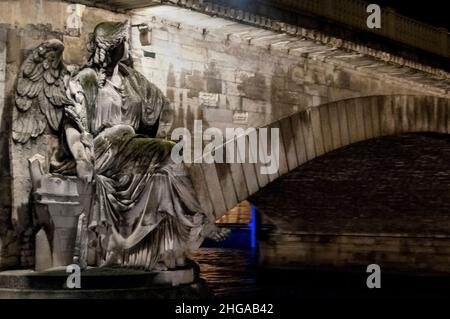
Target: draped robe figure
(145, 212)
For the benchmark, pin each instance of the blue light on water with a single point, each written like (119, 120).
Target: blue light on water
(253, 228)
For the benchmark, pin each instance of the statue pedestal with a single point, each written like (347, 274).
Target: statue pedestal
(58, 203)
(105, 283)
(57, 208)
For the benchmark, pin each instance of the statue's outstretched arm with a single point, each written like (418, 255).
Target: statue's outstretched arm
(78, 137)
(85, 167)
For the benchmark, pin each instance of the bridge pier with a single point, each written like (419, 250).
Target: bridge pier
(354, 252)
(382, 201)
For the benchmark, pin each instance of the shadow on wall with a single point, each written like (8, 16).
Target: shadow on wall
(5, 186)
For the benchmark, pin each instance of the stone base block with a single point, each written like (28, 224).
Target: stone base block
(395, 253)
(104, 283)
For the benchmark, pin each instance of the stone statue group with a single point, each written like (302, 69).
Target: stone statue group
(105, 114)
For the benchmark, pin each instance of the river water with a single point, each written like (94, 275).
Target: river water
(234, 274)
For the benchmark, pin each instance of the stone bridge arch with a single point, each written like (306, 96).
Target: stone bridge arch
(315, 131)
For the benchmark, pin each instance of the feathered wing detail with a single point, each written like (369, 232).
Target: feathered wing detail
(40, 93)
(28, 124)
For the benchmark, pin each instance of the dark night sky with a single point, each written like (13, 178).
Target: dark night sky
(434, 12)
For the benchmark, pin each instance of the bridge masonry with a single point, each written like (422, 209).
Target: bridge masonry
(234, 73)
(216, 70)
(229, 73)
(318, 130)
(382, 201)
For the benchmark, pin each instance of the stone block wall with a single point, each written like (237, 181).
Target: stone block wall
(227, 74)
(208, 67)
(396, 184)
(309, 134)
(424, 255)
(382, 200)
(6, 235)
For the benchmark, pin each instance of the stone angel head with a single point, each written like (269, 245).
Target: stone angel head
(108, 45)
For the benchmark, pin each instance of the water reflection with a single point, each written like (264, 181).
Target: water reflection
(228, 272)
(234, 273)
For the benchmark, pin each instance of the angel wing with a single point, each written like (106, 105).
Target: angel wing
(40, 92)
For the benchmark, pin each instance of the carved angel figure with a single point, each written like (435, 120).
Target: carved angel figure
(106, 114)
(47, 97)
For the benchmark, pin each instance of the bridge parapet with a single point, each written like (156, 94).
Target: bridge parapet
(394, 26)
(273, 15)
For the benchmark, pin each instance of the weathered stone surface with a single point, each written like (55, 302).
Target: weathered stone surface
(215, 68)
(400, 109)
(442, 116)
(387, 118)
(370, 117)
(354, 208)
(260, 157)
(316, 128)
(240, 185)
(289, 143)
(57, 205)
(4, 161)
(275, 128)
(300, 146)
(305, 121)
(248, 167)
(201, 189)
(411, 113)
(266, 148)
(262, 82)
(366, 120)
(343, 123)
(214, 189)
(218, 115)
(326, 129)
(227, 185)
(43, 252)
(105, 283)
(352, 122)
(392, 253)
(26, 24)
(359, 116)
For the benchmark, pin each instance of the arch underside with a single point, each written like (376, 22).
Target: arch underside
(315, 131)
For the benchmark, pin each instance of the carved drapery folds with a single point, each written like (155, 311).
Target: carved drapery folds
(129, 203)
